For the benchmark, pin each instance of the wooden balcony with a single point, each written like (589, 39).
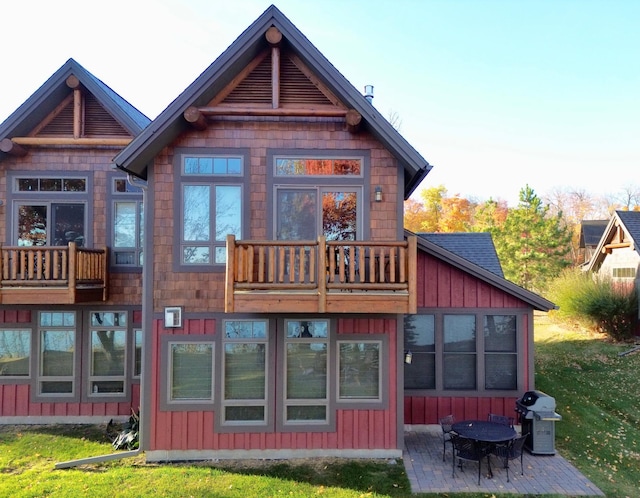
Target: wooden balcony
(321, 276)
(53, 275)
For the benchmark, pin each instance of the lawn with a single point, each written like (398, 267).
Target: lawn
(595, 389)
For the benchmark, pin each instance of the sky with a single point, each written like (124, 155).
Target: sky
(495, 94)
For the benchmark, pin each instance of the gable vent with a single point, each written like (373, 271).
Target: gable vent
(296, 87)
(255, 88)
(61, 125)
(98, 122)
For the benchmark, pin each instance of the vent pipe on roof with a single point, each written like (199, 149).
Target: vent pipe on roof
(368, 93)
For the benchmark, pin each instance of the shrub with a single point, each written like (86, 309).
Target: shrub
(600, 304)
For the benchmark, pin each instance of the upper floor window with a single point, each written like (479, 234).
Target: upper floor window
(49, 210)
(127, 223)
(290, 166)
(212, 206)
(623, 272)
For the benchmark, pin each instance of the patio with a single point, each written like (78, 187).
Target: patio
(542, 474)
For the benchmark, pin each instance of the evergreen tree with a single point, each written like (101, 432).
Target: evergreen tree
(533, 245)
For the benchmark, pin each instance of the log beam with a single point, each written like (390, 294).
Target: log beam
(275, 77)
(266, 111)
(353, 119)
(73, 82)
(273, 36)
(195, 118)
(8, 146)
(71, 141)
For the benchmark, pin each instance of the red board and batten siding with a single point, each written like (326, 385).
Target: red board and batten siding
(15, 397)
(441, 285)
(355, 429)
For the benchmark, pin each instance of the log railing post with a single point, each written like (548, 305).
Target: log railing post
(322, 274)
(230, 277)
(72, 271)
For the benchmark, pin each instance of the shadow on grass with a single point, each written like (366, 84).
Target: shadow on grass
(382, 477)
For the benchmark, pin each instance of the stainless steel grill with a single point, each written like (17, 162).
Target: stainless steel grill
(537, 418)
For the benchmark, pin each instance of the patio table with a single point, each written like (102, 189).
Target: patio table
(486, 434)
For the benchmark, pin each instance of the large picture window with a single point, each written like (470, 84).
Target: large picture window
(359, 370)
(15, 353)
(245, 371)
(462, 352)
(57, 353)
(211, 203)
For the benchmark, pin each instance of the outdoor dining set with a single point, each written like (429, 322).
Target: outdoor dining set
(477, 440)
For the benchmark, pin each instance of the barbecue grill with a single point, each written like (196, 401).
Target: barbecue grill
(537, 418)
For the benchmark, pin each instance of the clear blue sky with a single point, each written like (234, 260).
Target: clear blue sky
(496, 94)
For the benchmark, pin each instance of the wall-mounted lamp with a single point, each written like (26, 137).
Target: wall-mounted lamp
(378, 194)
(173, 317)
(408, 356)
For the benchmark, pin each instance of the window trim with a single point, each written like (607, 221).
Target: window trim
(211, 180)
(382, 401)
(16, 197)
(166, 403)
(113, 198)
(19, 379)
(480, 313)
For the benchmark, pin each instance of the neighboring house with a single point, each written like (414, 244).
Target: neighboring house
(617, 254)
(70, 293)
(590, 234)
(281, 293)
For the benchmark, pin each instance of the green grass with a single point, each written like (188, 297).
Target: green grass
(596, 391)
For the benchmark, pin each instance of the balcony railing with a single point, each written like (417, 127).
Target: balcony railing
(321, 276)
(53, 274)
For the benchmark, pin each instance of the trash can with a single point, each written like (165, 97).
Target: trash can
(537, 418)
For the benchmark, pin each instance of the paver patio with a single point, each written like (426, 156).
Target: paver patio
(543, 474)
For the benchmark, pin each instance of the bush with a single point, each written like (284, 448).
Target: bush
(599, 304)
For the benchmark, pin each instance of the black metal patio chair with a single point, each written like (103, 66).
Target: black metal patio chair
(465, 449)
(445, 423)
(511, 451)
(501, 419)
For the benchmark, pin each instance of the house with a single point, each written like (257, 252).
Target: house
(70, 293)
(590, 234)
(280, 291)
(616, 254)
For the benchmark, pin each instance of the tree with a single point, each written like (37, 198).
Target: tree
(533, 245)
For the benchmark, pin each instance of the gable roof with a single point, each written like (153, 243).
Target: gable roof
(139, 154)
(591, 231)
(624, 224)
(46, 98)
(481, 273)
(476, 248)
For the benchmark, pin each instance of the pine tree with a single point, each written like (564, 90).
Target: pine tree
(533, 245)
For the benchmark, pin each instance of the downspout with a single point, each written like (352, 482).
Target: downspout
(147, 324)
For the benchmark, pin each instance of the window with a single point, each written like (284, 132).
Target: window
(128, 223)
(211, 199)
(459, 369)
(107, 357)
(15, 353)
(49, 210)
(359, 370)
(449, 354)
(306, 382)
(623, 272)
(315, 196)
(500, 352)
(137, 360)
(57, 349)
(245, 372)
(420, 342)
(190, 372)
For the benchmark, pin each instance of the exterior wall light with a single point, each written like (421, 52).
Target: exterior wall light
(378, 194)
(173, 317)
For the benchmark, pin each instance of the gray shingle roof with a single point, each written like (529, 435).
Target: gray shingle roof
(591, 232)
(477, 248)
(631, 222)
